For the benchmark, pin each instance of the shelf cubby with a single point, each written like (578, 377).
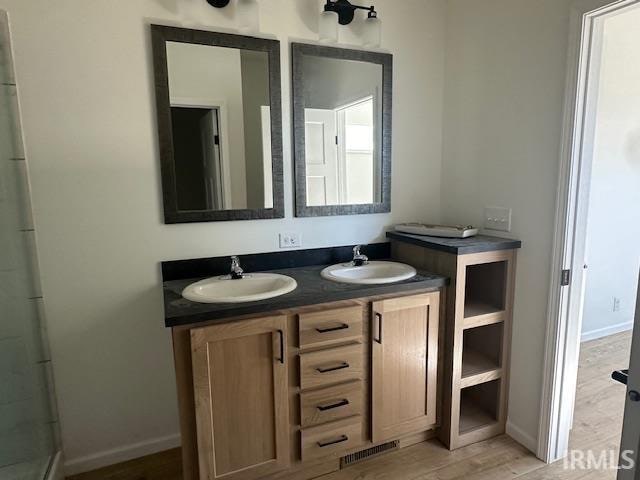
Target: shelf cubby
(481, 354)
(479, 406)
(485, 291)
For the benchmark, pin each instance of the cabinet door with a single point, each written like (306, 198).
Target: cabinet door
(404, 370)
(241, 397)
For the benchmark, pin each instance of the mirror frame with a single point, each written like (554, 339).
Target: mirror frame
(160, 35)
(298, 51)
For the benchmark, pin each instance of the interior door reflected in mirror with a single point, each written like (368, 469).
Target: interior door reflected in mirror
(343, 120)
(221, 122)
(342, 116)
(223, 151)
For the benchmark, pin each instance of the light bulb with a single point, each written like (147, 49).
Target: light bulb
(372, 30)
(248, 13)
(328, 26)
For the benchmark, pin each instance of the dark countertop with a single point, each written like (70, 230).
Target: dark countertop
(458, 246)
(312, 290)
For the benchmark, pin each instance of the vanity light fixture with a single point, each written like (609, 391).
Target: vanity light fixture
(345, 11)
(247, 12)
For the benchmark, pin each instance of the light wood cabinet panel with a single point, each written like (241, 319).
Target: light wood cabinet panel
(241, 398)
(330, 326)
(332, 403)
(326, 367)
(331, 438)
(404, 370)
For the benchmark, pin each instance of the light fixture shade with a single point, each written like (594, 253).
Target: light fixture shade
(328, 27)
(372, 32)
(248, 14)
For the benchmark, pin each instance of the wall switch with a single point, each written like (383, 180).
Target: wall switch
(497, 218)
(616, 304)
(290, 240)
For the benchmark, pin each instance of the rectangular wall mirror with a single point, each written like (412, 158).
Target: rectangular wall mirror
(342, 130)
(219, 125)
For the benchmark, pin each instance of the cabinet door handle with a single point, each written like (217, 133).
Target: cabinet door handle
(281, 335)
(342, 326)
(379, 339)
(333, 369)
(343, 438)
(340, 403)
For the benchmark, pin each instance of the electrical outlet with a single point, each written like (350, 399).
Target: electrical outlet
(290, 240)
(616, 304)
(497, 218)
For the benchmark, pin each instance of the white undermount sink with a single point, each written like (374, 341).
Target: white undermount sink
(252, 287)
(371, 273)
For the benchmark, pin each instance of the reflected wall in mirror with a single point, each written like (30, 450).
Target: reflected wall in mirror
(219, 125)
(342, 129)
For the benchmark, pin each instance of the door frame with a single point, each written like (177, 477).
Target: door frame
(562, 345)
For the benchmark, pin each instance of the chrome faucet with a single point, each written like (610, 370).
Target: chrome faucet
(359, 259)
(236, 270)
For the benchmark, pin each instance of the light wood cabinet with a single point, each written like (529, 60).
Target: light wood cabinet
(404, 369)
(297, 393)
(241, 398)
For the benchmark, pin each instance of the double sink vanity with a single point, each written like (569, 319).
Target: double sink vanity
(307, 361)
(299, 363)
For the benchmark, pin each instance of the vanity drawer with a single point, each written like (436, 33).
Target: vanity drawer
(330, 326)
(332, 438)
(335, 365)
(332, 403)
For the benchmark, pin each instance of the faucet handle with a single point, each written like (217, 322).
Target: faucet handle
(358, 258)
(236, 269)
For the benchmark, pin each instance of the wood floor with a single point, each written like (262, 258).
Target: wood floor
(597, 426)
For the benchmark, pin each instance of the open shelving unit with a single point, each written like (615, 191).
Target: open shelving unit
(477, 340)
(480, 333)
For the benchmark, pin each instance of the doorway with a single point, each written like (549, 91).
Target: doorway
(597, 203)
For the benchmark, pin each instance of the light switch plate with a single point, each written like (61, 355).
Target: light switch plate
(497, 218)
(290, 240)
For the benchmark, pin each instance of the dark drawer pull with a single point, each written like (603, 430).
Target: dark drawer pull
(333, 369)
(342, 326)
(343, 438)
(340, 403)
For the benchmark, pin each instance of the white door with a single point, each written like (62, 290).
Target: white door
(631, 426)
(321, 157)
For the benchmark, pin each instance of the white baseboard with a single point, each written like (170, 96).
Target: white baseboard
(522, 437)
(606, 331)
(121, 454)
(56, 471)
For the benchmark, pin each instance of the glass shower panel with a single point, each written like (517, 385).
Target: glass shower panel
(28, 423)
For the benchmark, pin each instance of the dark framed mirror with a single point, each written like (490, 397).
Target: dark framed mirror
(219, 125)
(342, 102)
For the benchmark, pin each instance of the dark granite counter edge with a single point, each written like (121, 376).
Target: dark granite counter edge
(505, 244)
(295, 301)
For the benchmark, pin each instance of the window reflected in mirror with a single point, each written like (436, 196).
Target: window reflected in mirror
(343, 131)
(221, 127)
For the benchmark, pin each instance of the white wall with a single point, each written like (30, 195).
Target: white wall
(505, 78)
(87, 94)
(334, 83)
(613, 250)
